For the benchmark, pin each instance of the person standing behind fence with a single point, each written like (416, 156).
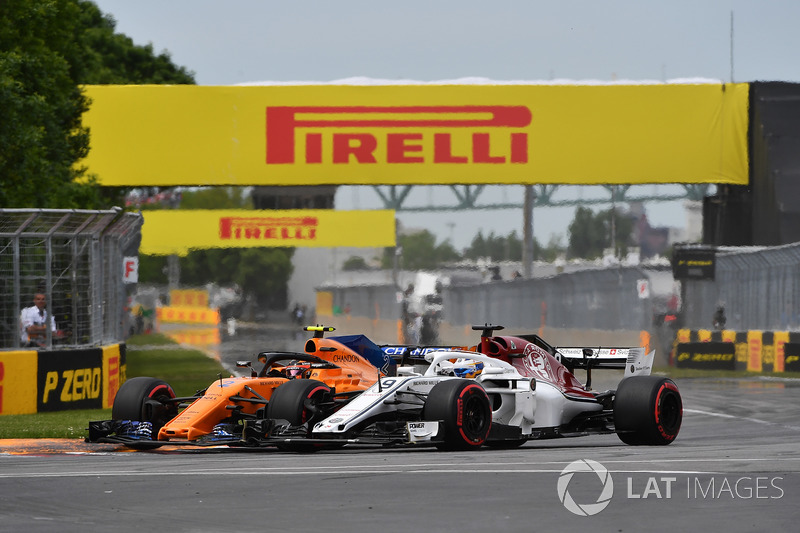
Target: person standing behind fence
(33, 322)
(719, 319)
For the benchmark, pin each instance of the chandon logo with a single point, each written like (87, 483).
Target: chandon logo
(585, 509)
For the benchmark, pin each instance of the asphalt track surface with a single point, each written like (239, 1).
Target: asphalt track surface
(734, 467)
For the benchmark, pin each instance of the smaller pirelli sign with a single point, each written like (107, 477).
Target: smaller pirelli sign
(179, 231)
(268, 228)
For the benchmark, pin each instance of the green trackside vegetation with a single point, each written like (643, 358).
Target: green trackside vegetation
(187, 371)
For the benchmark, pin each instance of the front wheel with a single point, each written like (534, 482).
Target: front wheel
(464, 408)
(647, 410)
(145, 399)
(299, 401)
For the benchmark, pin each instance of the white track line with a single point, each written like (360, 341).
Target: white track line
(745, 418)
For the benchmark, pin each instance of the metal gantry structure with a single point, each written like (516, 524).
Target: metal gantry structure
(467, 196)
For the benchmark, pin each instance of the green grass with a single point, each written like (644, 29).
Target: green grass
(58, 425)
(155, 339)
(187, 371)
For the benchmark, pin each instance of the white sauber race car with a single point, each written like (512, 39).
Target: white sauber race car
(517, 389)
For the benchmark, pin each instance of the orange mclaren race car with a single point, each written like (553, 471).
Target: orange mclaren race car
(146, 412)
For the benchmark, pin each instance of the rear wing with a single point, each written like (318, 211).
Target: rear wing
(634, 360)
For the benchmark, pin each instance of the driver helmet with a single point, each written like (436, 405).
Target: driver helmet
(468, 370)
(295, 371)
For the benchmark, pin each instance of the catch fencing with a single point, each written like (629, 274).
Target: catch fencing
(757, 289)
(593, 299)
(74, 257)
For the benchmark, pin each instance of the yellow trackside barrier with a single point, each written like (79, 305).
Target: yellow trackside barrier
(36, 381)
(752, 350)
(18, 382)
(188, 315)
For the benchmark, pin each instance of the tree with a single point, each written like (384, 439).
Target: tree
(106, 57)
(590, 234)
(550, 252)
(354, 262)
(260, 272)
(41, 135)
(420, 252)
(498, 248)
(446, 252)
(48, 48)
(153, 269)
(477, 248)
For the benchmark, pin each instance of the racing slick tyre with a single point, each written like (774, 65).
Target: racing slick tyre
(299, 402)
(145, 399)
(464, 408)
(647, 410)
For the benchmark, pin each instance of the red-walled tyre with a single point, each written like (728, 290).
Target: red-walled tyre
(647, 410)
(298, 401)
(145, 399)
(464, 407)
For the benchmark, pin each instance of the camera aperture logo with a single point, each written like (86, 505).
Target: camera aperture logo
(583, 466)
(588, 497)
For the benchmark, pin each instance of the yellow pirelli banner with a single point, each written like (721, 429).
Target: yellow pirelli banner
(18, 371)
(188, 297)
(114, 373)
(324, 303)
(163, 135)
(180, 231)
(187, 315)
(195, 337)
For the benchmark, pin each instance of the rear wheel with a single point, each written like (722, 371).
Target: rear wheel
(299, 402)
(647, 410)
(464, 408)
(145, 399)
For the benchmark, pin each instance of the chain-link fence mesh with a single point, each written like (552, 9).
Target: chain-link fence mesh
(756, 289)
(75, 259)
(592, 299)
